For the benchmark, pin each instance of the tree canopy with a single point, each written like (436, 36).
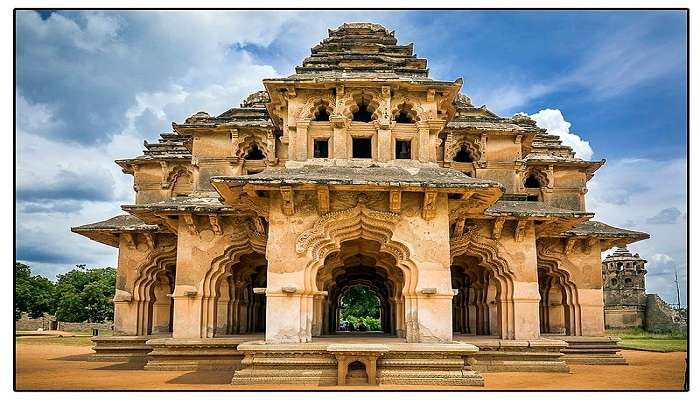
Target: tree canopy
(359, 304)
(79, 295)
(33, 294)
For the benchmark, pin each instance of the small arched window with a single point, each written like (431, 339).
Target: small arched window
(362, 114)
(322, 114)
(613, 282)
(628, 281)
(532, 182)
(254, 153)
(463, 155)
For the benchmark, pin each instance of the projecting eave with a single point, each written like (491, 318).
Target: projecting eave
(108, 231)
(166, 213)
(548, 220)
(609, 236)
(128, 163)
(360, 176)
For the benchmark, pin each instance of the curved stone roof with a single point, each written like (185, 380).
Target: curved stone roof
(363, 47)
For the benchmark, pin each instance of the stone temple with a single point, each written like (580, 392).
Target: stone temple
(359, 169)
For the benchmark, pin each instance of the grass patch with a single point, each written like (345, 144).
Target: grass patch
(639, 339)
(662, 345)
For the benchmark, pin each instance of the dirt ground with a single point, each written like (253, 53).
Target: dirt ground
(42, 366)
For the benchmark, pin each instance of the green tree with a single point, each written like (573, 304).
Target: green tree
(34, 294)
(85, 294)
(359, 304)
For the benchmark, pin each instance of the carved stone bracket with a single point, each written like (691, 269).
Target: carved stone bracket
(395, 201)
(215, 223)
(130, 240)
(588, 245)
(190, 222)
(429, 205)
(497, 227)
(287, 200)
(323, 199)
(569, 245)
(150, 240)
(459, 227)
(520, 229)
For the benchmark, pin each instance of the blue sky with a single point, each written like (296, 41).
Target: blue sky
(91, 86)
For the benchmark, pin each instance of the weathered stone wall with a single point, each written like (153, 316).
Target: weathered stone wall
(32, 324)
(661, 317)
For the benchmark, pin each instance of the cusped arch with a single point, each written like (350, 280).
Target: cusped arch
(455, 146)
(407, 107)
(178, 172)
(351, 103)
(557, 265)
(239, 244)
(148, 271)
(246, 144)
(538, 174)
(494, 257)
(359, 222)
(312, 106)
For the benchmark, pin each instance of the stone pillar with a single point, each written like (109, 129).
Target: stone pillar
(289, 311)
(302, 140)
(384, 144)
(196, 314)
(522, 316)
(222, 307)
(423, 141)
(429, 312)
(161, 307)
(340, 136)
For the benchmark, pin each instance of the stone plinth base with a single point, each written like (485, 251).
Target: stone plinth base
(321, 364)
(303, 364)
(195, 354)
(536, 355)
(428, 364)
(121, 348)
(593, 350)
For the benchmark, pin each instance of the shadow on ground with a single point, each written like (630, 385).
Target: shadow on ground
(204, 378)
(77, 357)
(128, 366)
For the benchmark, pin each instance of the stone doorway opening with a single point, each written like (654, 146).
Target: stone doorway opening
(161, 304)
(558, 307)
(240, 308)
(477, 305)
(363, 286)
(359, 310)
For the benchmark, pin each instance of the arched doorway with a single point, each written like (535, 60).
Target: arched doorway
(161, 305)
(240, 309)
(359, 272)
(478, 307)
(558, 306)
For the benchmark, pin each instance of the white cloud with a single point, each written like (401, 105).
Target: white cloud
(625, 193)
(553, 121)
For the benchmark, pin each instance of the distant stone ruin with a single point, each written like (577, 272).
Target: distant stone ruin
(627, 304)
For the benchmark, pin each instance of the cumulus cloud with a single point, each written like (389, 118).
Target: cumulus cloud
(93, 85)
(644, 184)
(553, 121)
